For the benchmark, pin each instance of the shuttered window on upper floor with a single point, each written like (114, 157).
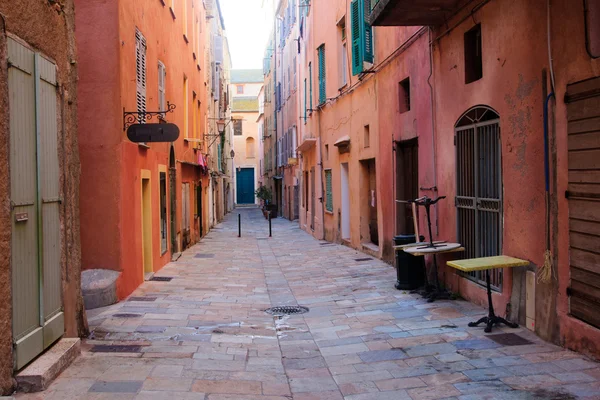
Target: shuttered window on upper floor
(322, 75)
(592, 23)
(162, 76)
(362, 36)
(328, 191)
(140, 61)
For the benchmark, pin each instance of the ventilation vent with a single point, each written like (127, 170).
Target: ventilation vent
(287, 310)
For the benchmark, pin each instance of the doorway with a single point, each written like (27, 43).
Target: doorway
(368, 201)
(312, 198)
(146, 223)
(479, 188)
(37, 306)
(345, 202)
(245, 186)
(199, 207)
(173, 200)
(407, 184)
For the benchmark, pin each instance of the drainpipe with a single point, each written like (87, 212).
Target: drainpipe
(433, 158)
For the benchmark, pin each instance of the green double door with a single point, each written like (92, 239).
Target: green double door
(37, 315)
(245, 186)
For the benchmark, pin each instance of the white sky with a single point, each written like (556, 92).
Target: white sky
(248, 27)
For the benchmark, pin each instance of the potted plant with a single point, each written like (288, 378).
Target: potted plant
(266, 196)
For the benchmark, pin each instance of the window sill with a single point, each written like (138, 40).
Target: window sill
(344, 86)
(172, 12)
(329, 212)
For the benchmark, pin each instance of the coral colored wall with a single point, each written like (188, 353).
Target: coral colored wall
(112, 164)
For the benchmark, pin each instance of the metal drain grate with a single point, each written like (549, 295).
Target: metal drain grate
(509, 339)
(126, 315)
(362, 259)
(161, 278)
(200, 255)
(287, 310)
(115, 348)
(141, 299)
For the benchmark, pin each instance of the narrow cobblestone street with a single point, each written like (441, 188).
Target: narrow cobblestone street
(205, 335)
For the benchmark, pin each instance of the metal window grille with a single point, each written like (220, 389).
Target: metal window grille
(479, 189)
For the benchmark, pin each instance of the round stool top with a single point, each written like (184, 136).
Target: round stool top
(439, 248)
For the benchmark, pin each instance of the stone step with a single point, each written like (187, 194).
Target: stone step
(40, 373)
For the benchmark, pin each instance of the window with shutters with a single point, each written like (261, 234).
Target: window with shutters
(185, 21)
(362, 36)
(186, 114)
(310, 83)
(328, 192)
(305, 100)
(162, 75)
(343, 63)
(322, 77)
(295, 83)
(140, 57)
(592, 25)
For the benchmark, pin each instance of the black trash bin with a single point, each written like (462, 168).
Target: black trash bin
(410, 269)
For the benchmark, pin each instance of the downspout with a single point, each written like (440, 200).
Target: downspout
(433, 151)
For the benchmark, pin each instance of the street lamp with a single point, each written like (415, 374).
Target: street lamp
(221, 126)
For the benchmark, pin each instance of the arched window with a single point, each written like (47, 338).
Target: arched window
(479, 187)
(250, 148)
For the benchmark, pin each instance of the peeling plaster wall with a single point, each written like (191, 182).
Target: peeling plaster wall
(49, 29)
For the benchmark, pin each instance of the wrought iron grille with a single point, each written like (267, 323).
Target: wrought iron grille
(479, 189)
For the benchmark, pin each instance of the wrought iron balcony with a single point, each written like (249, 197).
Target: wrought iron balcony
(412, 12)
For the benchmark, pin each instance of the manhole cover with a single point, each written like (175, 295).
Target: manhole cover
(200, 255)
(161, 278)
(126, 315)
(509, 339)
(141, 299)
(105, 348)
(287, 310)
(362, 259)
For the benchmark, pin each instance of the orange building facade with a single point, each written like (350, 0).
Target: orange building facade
(142, 204)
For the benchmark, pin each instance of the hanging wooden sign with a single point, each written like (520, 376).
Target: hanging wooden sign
(144, 133)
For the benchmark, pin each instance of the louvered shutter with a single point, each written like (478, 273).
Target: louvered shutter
(357, 56)
(218, 45)
(217, 83)
(322, 80)
(140, 56)
(305, 94)
(161, 87)
(367, 44)
(310, 82)
(328, 191)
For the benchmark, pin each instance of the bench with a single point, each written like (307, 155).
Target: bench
(485, 264)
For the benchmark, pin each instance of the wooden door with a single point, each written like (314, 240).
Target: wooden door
(583, 111)
(38, 319)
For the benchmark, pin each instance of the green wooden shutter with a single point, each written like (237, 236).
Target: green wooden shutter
(365, 7)
(219, 156)
(310, 84)
(362, 35)
(357, 53)
(305, 101)
(322, 80)
(328, 191)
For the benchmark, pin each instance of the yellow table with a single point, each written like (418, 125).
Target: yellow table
(485, 264)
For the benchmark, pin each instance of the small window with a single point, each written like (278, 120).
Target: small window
(326, 152)
(237, 127)
(404, 96)
(473, 59)
(592, 19)
(162, 75)
(328, 191)
(367, 136)
(322, 78)
(240, 89)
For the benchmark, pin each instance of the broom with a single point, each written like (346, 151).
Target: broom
(544, 274)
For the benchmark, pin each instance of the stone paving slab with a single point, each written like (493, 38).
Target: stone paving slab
(205, 335)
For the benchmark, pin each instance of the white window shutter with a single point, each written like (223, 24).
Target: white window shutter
(140, 55)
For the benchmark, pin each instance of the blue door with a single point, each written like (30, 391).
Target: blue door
(245, 186)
